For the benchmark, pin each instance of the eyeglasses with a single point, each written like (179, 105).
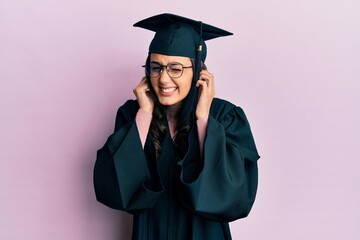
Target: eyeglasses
(173, 69)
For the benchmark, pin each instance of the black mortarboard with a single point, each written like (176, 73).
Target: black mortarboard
(179, 36)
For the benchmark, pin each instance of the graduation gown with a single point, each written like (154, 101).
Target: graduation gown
(180, 199)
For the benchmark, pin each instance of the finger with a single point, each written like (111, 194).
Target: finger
(143, 79)
(143, 86)
(201, 83)
(143, 82)
(208, 76)
(206, 73)
(204, 76)
(207, 85)
(208, 79)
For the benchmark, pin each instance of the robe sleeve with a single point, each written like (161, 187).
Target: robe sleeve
(222, 184)
(123, 176)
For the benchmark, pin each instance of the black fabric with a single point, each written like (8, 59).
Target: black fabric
(193, 198)
(179, 36)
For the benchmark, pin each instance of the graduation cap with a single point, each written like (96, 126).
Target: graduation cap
(180, 36)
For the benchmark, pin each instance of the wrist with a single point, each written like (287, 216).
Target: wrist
(202, 115)
(148, 110)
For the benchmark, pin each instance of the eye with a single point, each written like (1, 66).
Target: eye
(175, 67)
(155, 67)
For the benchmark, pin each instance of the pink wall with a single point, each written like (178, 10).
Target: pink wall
(66, 66)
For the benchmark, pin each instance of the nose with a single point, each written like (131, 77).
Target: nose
(164, 76)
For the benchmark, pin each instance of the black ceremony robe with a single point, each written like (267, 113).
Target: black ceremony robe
(190, 198)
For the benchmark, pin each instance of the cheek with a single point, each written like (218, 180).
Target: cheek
(184, 89)
(187, 87)
(153, 83)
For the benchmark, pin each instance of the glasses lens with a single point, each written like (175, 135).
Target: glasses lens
(175, 70)
(155, 69)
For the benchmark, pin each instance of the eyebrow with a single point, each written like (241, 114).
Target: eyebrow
(167, 63)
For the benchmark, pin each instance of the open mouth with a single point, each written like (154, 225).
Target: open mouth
(168, 90)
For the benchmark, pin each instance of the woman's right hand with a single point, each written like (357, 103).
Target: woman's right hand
(144, 96)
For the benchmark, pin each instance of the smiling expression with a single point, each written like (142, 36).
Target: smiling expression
(171, 91)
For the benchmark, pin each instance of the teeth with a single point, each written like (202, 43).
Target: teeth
(167, 90)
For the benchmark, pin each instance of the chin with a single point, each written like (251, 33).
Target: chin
(168, 102)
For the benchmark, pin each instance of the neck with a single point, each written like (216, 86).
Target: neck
(172, 111)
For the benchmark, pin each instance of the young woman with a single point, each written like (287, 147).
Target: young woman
(181, 161)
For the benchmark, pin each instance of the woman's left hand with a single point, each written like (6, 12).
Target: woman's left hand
(206, 94)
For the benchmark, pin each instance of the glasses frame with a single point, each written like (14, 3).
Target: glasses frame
(168, 70)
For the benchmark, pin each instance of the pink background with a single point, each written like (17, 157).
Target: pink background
(66, 66)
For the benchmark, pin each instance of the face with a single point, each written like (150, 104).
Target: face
(171, 91)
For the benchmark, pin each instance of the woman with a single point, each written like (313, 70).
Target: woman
(181, 161)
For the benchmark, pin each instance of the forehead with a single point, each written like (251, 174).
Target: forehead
(164, 59)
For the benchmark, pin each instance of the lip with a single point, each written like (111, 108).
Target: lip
(167, 91)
